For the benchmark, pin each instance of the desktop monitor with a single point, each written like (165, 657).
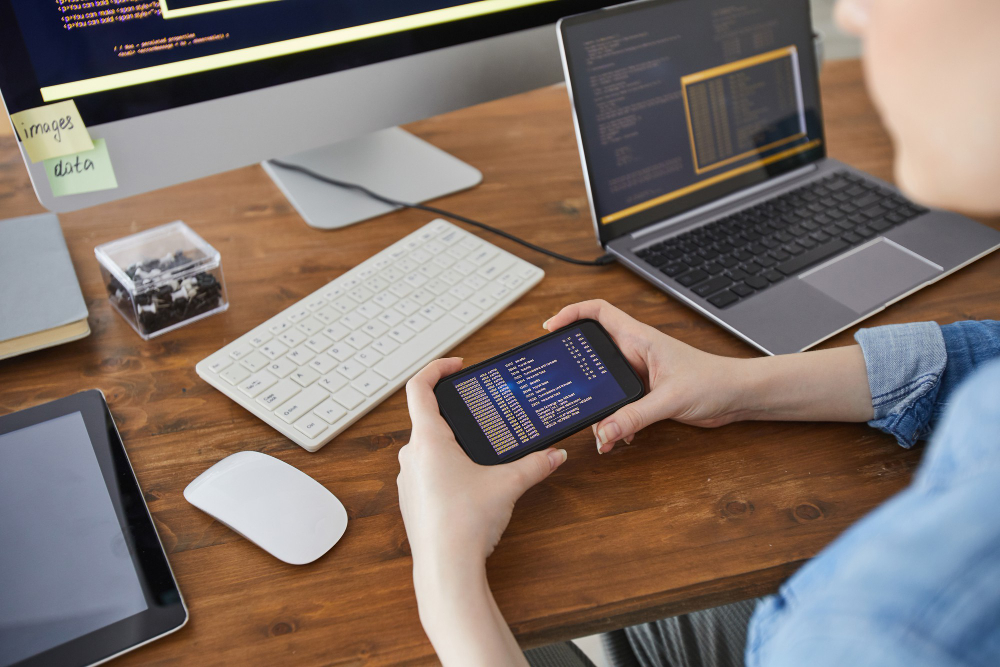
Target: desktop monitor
(181, 89)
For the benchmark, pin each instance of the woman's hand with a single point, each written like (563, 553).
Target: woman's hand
(694, 387)
(683, 383)
(452, 506)
(454, 511)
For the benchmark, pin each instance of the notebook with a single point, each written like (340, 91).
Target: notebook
(41, 304)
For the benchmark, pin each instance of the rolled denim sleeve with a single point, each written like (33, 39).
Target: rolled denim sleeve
(913, 368)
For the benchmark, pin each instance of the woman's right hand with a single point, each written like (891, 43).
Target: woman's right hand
(682, 383)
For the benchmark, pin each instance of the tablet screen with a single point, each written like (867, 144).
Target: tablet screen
(65, 567)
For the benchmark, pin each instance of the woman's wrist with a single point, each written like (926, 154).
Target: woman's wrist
(824, 385)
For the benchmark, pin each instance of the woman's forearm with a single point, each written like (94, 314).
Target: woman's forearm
(461, 618)
(825, 385)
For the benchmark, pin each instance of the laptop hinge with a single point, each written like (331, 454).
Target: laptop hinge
(719, 203)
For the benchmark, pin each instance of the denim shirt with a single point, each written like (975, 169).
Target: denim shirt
(917, 581)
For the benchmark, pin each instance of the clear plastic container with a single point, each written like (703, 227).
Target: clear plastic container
(163, 278)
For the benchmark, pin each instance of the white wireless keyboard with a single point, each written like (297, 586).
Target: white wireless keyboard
(315, 368)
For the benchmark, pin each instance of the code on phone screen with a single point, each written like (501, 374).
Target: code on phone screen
(532, 393)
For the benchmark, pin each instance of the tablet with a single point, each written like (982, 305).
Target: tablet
(83, 576)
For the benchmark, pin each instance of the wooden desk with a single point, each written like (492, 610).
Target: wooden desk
(680, 520)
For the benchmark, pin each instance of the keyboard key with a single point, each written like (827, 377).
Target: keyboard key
(311, 426)
(332, 382)
(292, 338)
(315, 303)
(239, 350)
(305, 376)
(420, 345)
(795, 265)
(422, 296)
(344, 304)
(692, 278)
(282, 367)
(723, 299)
(330, 411)
(401, 334)
(301, 403)
(349, 397)
(301, 355)
(418, 322)
(259, 338)
(341, 351)
(741, 289)
(219, 364)
(385, 345)
(757, 282)
(433, 312)
(318, 343)
(369, 383)
(235, 374)
(391, 317)
(309, 326)
(358, 340)
(278, 394)
(407, 306)
(351, 369)
(712, 286)
(852, 238)
(257, 383)
(385, 299)
(374, 328)
(466, 312)
(323, 364)
(368, 356)
(278, 327)
(254, 361)
(369, 309)
(773, 276)
(274, 349)
(353, 320)
(298, 314)
(327, 315)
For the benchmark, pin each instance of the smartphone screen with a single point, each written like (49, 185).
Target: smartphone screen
(527, 398)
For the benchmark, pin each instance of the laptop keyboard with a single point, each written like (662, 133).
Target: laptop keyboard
(743, 254)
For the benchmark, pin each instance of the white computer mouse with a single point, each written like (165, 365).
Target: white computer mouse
(274, 505)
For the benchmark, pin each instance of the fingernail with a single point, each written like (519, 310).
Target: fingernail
(599, 446)
(608, 433)
(545, 324)
(557, 457)
(629, 439)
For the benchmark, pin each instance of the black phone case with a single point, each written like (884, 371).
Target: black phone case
(552, 439)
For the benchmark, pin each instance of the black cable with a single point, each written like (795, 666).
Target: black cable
(600, 261)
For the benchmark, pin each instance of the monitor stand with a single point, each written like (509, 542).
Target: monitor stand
(390, 162)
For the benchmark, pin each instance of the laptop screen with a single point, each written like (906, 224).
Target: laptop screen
(681, 102)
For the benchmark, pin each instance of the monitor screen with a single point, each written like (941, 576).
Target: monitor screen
(122, 58)
(538, 391)
(65, 567)
(680, 102)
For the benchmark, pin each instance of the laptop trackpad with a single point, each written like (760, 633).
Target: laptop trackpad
(872, 275)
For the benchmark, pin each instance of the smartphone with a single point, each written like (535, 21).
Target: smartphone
(535, 395)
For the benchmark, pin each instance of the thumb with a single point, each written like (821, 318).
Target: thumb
(533, 468)
(628, 421)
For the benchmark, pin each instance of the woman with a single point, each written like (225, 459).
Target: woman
(917, 582)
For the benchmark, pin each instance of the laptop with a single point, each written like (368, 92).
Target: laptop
(701, 136)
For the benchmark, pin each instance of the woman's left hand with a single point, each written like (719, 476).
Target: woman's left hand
(455, 509)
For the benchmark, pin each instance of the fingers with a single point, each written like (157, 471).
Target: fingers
(533, 468)
(420, 399)
(597, 309)
(629, 420)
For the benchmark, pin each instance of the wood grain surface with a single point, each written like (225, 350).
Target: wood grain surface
(681, 519)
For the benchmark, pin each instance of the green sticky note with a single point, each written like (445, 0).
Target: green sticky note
(84, 172)
(51, 131)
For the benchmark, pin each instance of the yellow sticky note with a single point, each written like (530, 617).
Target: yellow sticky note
(88, 171)
(51, 131)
